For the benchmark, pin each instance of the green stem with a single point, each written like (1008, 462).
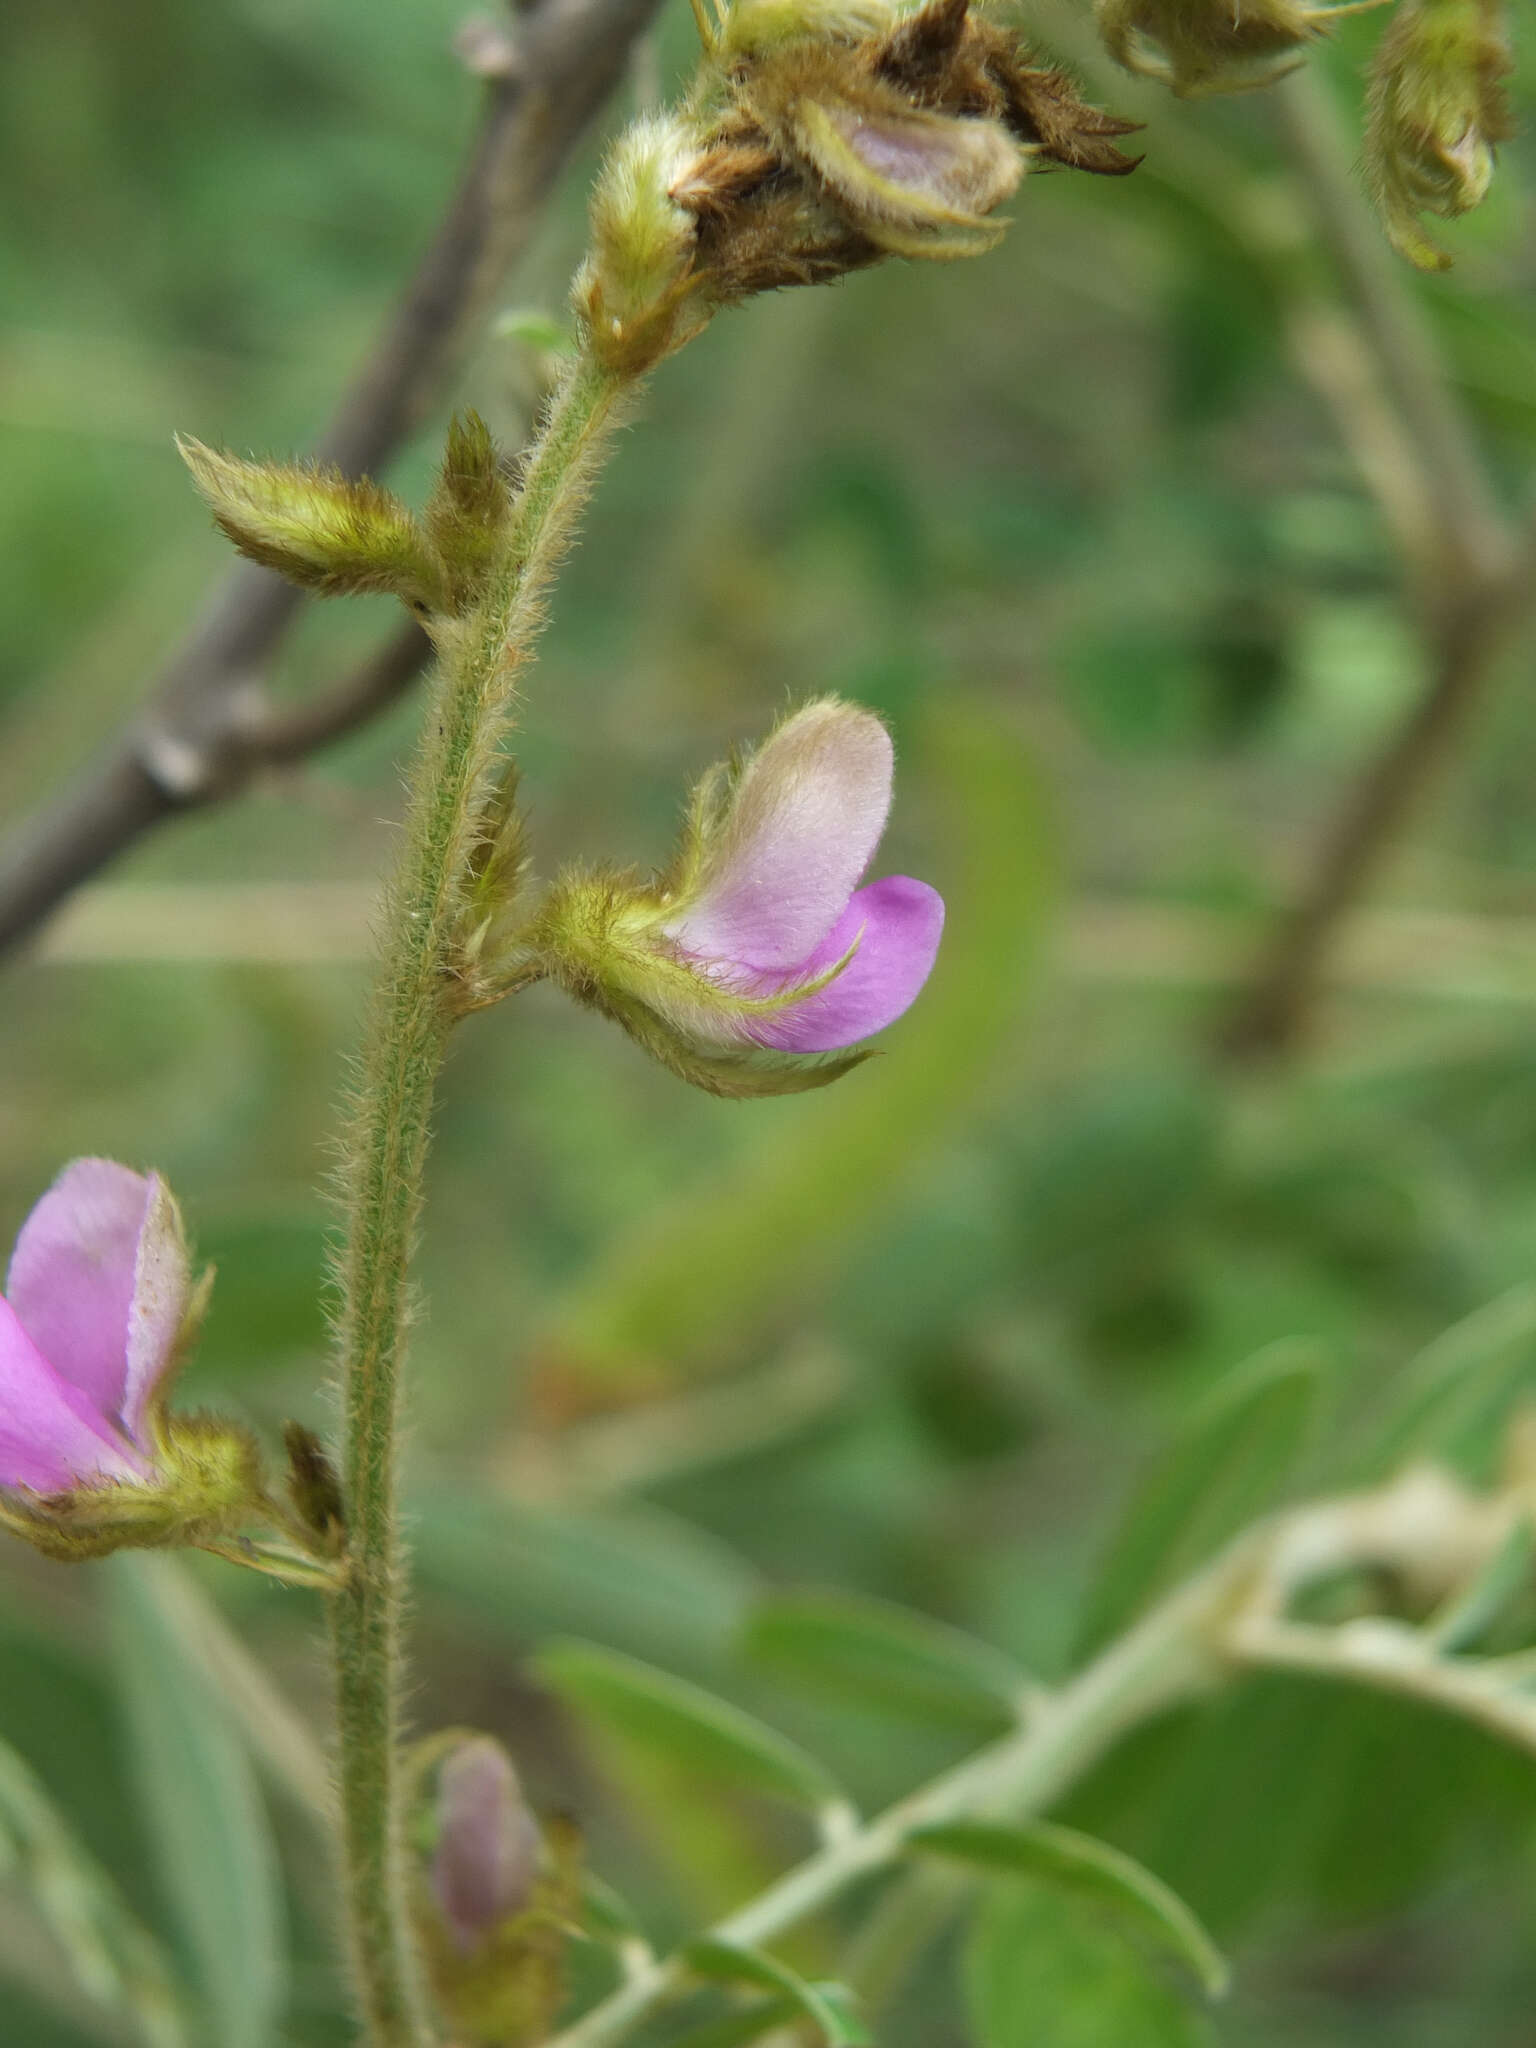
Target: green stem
(1166, 1658)
(384, 1158)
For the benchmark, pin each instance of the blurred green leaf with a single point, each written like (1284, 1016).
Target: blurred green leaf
(1081, 1863)
(213, 1842)
(1460, 1383)
(874, 1653)
(1041, 1972)
(632, 1576)
(716, 1740)
(1227, 1464)
(1469, 1614)
(829, 2007)
(115, 1959)
(736, 2029)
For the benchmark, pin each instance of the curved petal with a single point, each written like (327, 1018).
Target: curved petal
(98, 1281)
(804, 821)
(897, 923)
(51, 1439)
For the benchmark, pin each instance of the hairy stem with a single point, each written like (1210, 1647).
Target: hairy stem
(384, 1157)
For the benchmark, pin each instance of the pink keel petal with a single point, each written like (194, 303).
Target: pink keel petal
(901, 921)
(50, 1438)
(806, 818)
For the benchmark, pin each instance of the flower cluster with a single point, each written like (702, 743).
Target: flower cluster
(1204, 46)
(758, 944)
(824, 135)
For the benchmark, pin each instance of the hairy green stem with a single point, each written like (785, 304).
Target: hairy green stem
(1168, 1657)
(384, 1157)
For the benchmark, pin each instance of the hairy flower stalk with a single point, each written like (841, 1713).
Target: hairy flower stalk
(823, 135)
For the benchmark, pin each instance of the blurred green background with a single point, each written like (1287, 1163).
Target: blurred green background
(1074, 522)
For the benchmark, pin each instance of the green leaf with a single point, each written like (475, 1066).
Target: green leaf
(213, 1843)
(1040, 1973)
(115, 1959)
(736, 2029)
(632, 1576)
(685, 1724)
(1465, 1378)
(1083, 1864)
(1227, 1465)
(872, 1652)
(829, 2007)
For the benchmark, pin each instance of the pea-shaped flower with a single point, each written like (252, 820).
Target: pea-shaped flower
(759, 939)
(98, 1309)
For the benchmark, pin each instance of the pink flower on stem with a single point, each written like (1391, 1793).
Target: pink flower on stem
(95, 1302)
(774, 901)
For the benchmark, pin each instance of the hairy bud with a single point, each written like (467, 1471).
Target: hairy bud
(334, 534)
(1203, 46)
(1436, 109)
(637, 293)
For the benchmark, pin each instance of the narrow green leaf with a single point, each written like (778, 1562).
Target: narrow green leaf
(685, 1724)
(213, 1844)
(736, 2029)
(1228, 1464)
(873, 1653)
(1084, 1864)
(829, 2007)
(115, 1959)
(1466, 1376)
(1040, 1973)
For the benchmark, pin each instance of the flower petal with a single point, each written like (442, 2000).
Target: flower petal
(897, 923)
(51, 1438)
(804, 822)
(98, 1280)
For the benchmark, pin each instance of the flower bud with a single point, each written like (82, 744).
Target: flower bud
(98, 1314)
(758, 939)
(636, 292)
(1435, 110)
(495, 1896)
(1201, 46)
(487, 1853)
(334, 534)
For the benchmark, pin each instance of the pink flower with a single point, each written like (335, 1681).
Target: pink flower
(773, 900)
(95, 1302)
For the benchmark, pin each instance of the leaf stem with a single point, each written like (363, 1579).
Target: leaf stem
(384, 1152)
(1168, 1657)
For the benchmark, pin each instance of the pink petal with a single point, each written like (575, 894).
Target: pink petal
(805, 820)
(51, 1439)
(900, 921)
(98, 1280)
(488, 1841)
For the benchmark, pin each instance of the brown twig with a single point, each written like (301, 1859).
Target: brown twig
(1463, 570)
(208, 728)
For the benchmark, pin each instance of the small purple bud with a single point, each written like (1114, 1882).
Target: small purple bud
(95, 1302)
(488, 1843)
